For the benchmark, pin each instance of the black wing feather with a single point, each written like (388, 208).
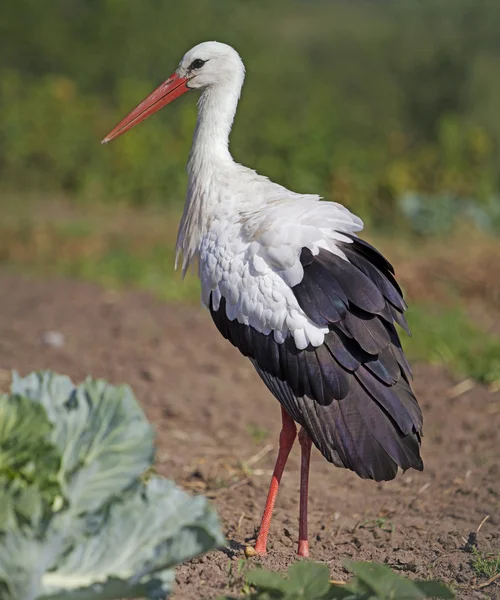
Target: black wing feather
(352, 393)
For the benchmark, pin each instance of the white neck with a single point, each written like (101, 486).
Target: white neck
(216, 110)
(209, 155)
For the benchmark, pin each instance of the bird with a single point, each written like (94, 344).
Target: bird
(289, 282)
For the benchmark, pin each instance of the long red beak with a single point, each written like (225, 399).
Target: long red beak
(165, 93)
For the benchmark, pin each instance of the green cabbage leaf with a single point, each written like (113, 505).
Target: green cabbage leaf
(78, 521)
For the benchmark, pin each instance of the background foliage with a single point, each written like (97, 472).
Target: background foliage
(359, 101)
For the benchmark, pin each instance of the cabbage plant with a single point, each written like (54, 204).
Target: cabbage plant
(78, 519)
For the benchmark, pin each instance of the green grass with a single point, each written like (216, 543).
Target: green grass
(485, 564)
(381, 523)
(121, 267)
(118, 248)
(447, 336)
(258, 434)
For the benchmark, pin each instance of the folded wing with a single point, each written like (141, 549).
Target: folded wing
(351, 391)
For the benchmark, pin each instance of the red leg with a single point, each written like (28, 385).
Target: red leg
(305, 444)
(287, 438)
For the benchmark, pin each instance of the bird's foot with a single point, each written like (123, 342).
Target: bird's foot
(303, 549)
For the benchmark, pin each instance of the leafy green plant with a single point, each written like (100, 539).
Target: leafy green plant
(381, 523)
(371, 581)
(88, 526)
(486, 564)
(28, 461)
(236, 576)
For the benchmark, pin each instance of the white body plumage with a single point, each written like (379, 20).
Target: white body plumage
(251, 257)
(247, 231)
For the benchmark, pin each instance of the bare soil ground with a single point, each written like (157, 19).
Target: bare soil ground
(217, 430)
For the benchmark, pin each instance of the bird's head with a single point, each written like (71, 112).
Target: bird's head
(207, 65)
(210, 63)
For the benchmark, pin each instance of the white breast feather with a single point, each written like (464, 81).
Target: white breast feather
(254, 261)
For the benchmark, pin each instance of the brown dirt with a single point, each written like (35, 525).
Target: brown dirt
(213, 416)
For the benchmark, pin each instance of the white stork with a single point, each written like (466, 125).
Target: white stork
(288, 282)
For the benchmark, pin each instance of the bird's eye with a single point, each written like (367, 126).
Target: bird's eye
(197, 63)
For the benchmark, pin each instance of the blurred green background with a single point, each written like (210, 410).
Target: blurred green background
(387, 106)
(378, 104)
